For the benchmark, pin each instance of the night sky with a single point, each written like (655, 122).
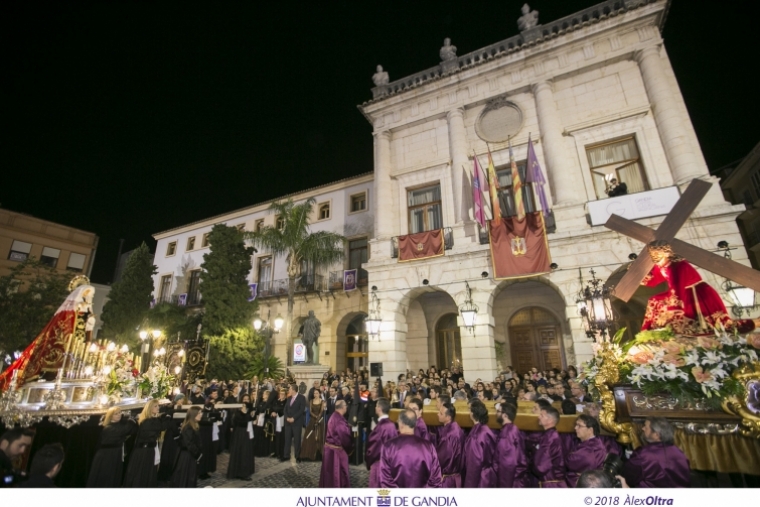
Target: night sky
(130, 118)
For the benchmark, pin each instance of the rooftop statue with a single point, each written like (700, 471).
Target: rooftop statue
(380, 78)
(448, 51)
(528, 20)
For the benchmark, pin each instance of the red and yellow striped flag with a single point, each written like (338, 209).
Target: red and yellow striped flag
(516, 186)
(493, 190)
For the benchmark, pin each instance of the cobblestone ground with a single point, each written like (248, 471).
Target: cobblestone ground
(271, 473)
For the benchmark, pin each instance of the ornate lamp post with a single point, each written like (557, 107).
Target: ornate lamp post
(147, 338)
(469, 311)
(373, 321)
(266, 328)
(595, 307)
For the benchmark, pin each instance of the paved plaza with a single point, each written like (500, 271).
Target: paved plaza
(272, 473)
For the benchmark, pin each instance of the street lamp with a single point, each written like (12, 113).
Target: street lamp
(469, 310)
(267, 330)
(595, 307)
(147, 338)
(373, 321)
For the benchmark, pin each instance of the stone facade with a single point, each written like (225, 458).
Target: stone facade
(596, 77)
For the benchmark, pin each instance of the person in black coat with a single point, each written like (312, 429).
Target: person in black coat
(108, 463)
(209, 430)
(170, 446)
(242, 464)
(295, 409)
(142, 467)
(46, 464)
(276, 412)
(185, 473)
(261, 441)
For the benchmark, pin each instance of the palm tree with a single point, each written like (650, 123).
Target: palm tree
(293, 239)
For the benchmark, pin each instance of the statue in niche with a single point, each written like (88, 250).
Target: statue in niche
(529, 18)
(312, 327)
(448, 51)
(380, 78)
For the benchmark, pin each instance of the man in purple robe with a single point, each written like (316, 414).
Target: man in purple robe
(421, 430)
(383, 432)
(658, 463)
(549, 461)
(409, 461)
(511, 464)
(450, 446)
(590, 452)
(479, 450)
(338, 444)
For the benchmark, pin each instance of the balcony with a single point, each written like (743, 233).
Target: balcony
(448, 242)
(336, 279)
(304, 284)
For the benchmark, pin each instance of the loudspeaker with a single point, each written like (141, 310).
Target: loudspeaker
(376, 369)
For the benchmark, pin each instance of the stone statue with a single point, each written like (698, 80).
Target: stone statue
(448, 52)
(380, 78)
(311, 329)
(528, 20)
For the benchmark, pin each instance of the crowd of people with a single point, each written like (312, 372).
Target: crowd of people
(347, 413)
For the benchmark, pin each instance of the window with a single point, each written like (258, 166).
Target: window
(357, 255)
(265, 270)
(240, 227)
(204, 240)
(507, 197)
(359, 202)
(171, 248)
(259, 225)
(280, 221)
(620, 160)
(324, 211)
(164, 290)
(193, 288)
(76, 262)
(425, 209)
(190, 244)
(19, 251)
(50, 256)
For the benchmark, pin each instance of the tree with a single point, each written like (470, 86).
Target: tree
(224, 282)
(259, 367)
(29, 297)
(172, 319)
(233, 353)
(295, 241)
(129, 299)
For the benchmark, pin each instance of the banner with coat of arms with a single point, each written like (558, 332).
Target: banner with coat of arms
(422, 245)
(519, 248)
(349, 279)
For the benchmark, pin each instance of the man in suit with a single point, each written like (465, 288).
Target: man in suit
(295, 407)
(579, 393)
(331, 400)
(402, 393)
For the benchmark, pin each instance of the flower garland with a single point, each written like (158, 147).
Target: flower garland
(156, 382)
(689, 369)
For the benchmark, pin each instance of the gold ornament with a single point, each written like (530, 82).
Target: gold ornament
(610, 375)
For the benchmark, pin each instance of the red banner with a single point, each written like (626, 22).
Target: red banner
(519, 248)
(422, 245)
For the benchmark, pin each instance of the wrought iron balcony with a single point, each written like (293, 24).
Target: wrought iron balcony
(448, 242)
(304, 284)
(336, 279)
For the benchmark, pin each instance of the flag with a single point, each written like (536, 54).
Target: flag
(349, 279)
(536, 176)
(493, 187)
(516, 186)
(422, 245)
(477, 194)
(519, 248)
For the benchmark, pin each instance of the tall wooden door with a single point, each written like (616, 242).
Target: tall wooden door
(534, 337)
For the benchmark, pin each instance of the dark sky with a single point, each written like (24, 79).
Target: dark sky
(129, 118)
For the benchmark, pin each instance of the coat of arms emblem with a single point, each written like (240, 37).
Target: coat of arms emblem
(518, 246)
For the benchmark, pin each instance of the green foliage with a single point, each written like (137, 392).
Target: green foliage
(172, 319)
(259, 365)
(129, 299)
(224, 282)
(233, 353)
(29, 296)
(653, 335)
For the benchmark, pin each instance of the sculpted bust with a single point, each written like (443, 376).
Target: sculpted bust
(528, 20)
(380, 78)
(448, 51)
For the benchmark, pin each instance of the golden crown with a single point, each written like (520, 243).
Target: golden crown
(383, 492)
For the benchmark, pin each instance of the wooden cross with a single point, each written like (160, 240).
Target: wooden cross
(643, 264)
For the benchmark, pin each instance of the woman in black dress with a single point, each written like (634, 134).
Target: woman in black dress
(261, 439)
(277, 418)
(108, 464)
(146, 455)
(314, 440)
(209, 430)
(242, 464)
(186, 469)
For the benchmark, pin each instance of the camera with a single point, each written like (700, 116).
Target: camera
(613, 465)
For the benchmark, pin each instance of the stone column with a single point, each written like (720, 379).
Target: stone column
(458, 153)
(383, 197)
(479, 348)
(390, 348)
(670, 126)
(561, 174)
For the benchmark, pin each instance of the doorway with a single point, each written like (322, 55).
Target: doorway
(356, 344)
(534, 337)
(448, 342)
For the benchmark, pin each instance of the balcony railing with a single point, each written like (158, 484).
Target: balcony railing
(304, 284)
(448, 242)
(335, 281)
(194, 298)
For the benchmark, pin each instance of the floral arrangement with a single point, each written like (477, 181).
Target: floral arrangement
(156, 382)
(122, 376)
(691, 369)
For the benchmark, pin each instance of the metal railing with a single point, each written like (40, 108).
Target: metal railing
(448, 242)
(304, 283)
(335, 281)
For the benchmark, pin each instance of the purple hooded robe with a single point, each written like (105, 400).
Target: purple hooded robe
(549, 461)
(383, 432)
(450, 450)
(421, 430)
(338, 444)
(479, 451)
(588, 455)
(511, 464)
(409, 461)
(657, 465)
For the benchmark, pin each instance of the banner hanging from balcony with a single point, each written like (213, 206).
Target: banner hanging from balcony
(182, 300)
(349, 279)
(254, 289)
(422, 245)
(519, 248)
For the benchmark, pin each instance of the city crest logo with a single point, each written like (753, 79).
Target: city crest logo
(383, 498)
